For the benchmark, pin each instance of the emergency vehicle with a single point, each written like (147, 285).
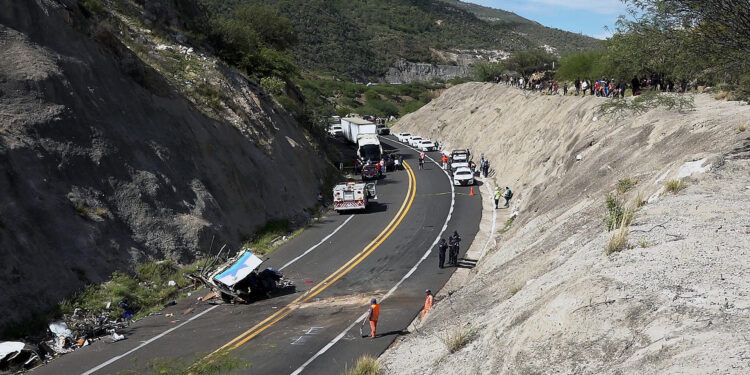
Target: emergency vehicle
(353, 196)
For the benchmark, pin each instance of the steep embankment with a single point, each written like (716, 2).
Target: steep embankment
(104, 163)
(547, 299)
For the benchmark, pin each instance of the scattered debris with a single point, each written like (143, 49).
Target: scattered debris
(117, 337)
(17, 356)
(171, 283)
(237, 280)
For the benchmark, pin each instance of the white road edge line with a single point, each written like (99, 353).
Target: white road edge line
(316, 245)
(113, 359)
(392, 290)
(492, 228)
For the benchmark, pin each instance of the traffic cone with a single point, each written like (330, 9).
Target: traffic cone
(471, 192)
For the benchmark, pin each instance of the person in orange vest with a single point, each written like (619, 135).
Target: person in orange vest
(427, 303)
(444, 159)
(372, 315)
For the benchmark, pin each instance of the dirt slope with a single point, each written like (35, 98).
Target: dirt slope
(547, 300)
(104, 163)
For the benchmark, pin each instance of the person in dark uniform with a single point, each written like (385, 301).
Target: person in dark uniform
(442, 247)
(453, 241)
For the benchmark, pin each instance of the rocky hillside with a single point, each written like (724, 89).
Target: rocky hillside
(560, 294)
(363, 39)
(119, 144)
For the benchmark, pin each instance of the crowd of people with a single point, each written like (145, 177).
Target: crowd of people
(604, 87)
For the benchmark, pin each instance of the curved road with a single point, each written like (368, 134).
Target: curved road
(337, 264)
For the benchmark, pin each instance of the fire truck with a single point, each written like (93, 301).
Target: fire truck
(353, 196)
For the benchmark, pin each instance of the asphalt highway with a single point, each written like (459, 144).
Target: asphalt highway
(337, 265)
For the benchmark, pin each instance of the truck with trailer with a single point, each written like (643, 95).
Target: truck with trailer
(363, 133)
(353, 127)
(355, 196)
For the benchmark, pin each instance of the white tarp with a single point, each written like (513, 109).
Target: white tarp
(239, 270)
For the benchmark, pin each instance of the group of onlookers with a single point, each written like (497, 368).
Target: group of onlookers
(604, 87)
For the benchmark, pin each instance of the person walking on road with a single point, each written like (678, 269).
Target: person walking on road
(453, 242)
(444, 159)
(442, 247)
(508, 194)
(421, 160)
(486, 168)
(428, 301)
(372, 316)
(498, 195)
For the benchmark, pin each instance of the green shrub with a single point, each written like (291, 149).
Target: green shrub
(273, 85)
(625, 184)
(411, 106)
(617, 214)
(93, 6)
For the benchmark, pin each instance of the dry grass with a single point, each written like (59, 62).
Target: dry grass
(742, 128)
(366, 365)
(639, 201)
(457, 337)
(674, 186)
(618, 242)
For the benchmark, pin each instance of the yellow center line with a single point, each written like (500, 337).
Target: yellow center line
(333, 277)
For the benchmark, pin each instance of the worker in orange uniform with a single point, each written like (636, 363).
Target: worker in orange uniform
(372, 315)
(444, 159)
(427, 303)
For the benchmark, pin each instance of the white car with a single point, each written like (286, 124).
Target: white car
(335, 131)
(402, 137)
(463, 176)
(414, 140)
(425, 145)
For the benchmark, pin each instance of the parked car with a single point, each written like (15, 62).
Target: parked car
(382, 129)
(425, 145)
(403, 137)
(370, 172)
(413, 140)
(463, 176)
(335, 131)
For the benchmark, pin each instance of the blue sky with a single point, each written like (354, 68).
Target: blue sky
(586, 16)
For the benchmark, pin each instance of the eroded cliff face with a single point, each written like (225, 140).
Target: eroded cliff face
(104, 162)
(548, 299)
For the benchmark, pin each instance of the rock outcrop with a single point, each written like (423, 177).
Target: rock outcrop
(104, 163)
(407, 72)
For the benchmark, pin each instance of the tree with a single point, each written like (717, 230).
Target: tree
(714, 33)
(256, 38)
(528, 62)
(582, 65)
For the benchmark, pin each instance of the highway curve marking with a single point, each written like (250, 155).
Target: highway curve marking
(332, 278)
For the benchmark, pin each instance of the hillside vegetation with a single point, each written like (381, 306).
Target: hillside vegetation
(358, 39)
